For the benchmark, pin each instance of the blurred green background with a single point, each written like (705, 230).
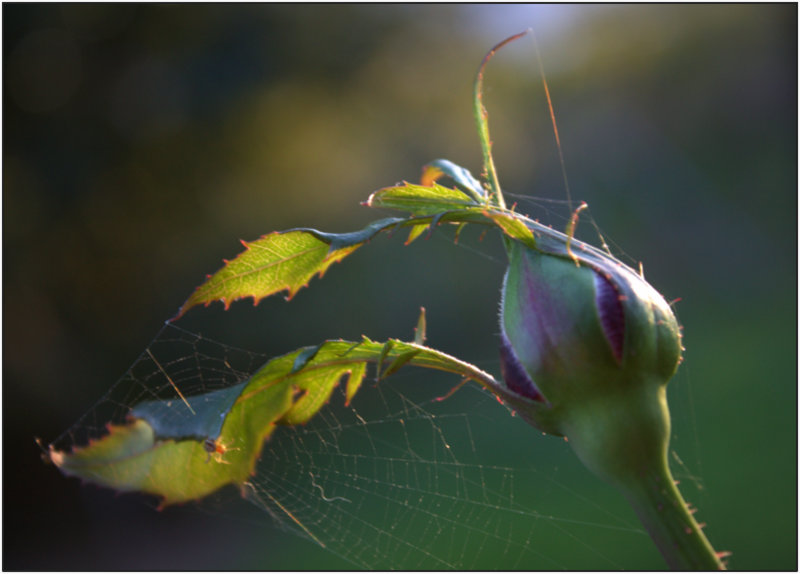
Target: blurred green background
(141, 142)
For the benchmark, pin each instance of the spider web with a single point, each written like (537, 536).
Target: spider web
(401, 482)
(177, 363)
(397, 479)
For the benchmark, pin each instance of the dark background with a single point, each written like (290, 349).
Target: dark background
(141, 142)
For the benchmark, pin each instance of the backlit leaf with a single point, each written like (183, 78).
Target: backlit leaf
(281, 261)
(421, 200)
(166, 454)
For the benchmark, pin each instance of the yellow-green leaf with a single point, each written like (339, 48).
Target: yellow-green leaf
(280, 261)
(169, 459)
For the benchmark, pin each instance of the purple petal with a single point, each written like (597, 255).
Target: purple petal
(611, 312)
(514, 373)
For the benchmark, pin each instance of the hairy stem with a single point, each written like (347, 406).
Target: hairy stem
(670, 522)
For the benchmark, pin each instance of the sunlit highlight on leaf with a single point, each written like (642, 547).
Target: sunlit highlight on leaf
(166, 456)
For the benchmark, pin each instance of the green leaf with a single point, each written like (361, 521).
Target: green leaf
(357, 374)
(442, 204)
(288, 260)
(285, 260)
(133, 457)
(439, 167)
(164, 450)
(422, 200)
(169, 418)
(400, 361)
(416, 231)
(513, 226)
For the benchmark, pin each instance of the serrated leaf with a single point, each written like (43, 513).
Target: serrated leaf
(281, 261)
(134, 458)
(170, 460)
(288, 260)
(422, 200)
(442, 204)
(313, 389)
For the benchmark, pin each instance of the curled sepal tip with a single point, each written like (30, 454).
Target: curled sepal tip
(482, 122)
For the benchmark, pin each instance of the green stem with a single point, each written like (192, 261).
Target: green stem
(623, 437)
(670, 523)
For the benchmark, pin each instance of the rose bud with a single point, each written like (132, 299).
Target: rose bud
(587, 349)
(591, 345)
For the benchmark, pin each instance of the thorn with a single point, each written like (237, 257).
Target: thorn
(573, 222)
(45, 455)
(419, 330)
(452, 391)
(458, 233)
(38, 442)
